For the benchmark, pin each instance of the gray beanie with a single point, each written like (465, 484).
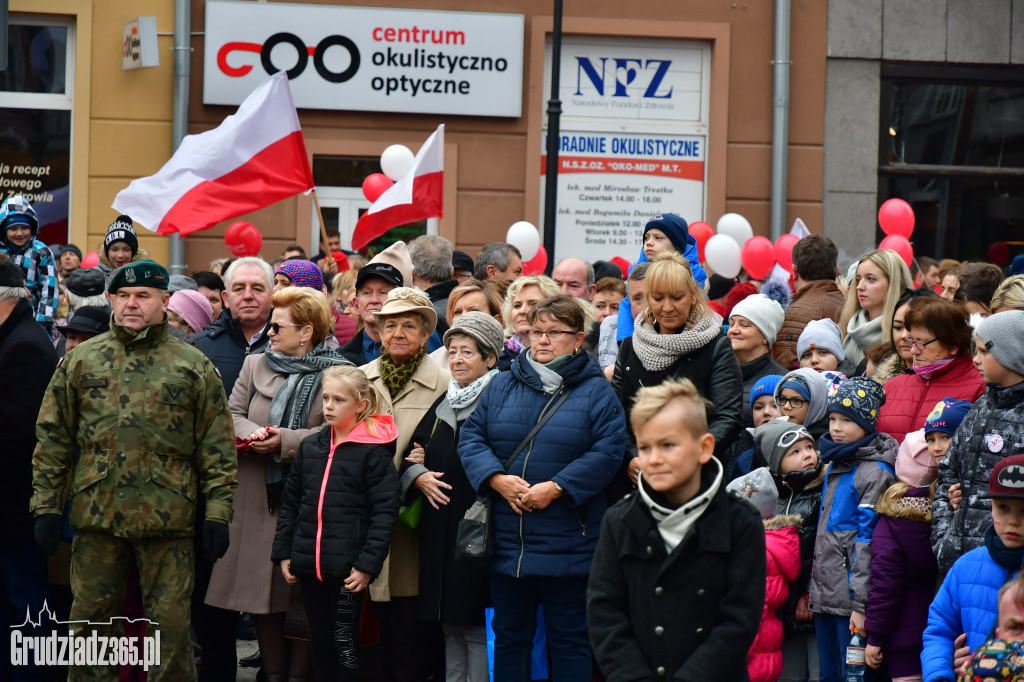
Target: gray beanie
(823, 335)
(1002, 336)
(764, 313)
(181, 283)
(758, 489)
(480, 327)
(776, 436)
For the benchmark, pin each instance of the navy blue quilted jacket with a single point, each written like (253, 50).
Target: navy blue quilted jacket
(580, 448)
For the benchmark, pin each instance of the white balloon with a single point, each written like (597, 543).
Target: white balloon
(723, 255)
(735, 226)
(525, 237)
(396, 161)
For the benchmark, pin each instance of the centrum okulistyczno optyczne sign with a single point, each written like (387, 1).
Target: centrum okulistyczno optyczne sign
(367, 59)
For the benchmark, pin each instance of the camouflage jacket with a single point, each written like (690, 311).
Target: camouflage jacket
(149, 418)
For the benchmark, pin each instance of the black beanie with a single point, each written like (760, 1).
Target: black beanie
(121, 230)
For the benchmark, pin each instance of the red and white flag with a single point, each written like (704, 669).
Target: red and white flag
(254, 158)
(417, 196)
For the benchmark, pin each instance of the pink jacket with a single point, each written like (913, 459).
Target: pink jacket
(782, 547)
(909, 398)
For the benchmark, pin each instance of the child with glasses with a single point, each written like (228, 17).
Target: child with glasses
(802, 396)
(859, 461)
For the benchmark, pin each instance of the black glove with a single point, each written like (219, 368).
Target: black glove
(215, 539)
(48, 531)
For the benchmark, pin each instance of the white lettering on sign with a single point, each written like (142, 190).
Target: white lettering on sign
(367, 59)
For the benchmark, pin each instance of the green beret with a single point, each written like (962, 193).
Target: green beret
(143, 273)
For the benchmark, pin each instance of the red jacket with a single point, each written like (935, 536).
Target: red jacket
(782, 549)
(910, 398)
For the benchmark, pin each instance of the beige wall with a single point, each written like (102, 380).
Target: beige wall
(122, 119)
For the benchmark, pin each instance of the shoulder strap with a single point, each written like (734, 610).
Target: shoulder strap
(545, 415)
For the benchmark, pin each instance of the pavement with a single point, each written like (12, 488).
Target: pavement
(245, 648)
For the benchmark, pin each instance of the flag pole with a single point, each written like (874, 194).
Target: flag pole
(323, 228)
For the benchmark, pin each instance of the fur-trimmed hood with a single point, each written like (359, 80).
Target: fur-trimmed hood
(900, 502)
(783, 521)
(891, 366)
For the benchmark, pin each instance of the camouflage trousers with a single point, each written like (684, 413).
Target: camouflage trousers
(99, 566)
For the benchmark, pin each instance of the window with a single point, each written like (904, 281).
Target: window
(952, 145)
(35, 120)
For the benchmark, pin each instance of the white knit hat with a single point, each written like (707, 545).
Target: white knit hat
(764, 313)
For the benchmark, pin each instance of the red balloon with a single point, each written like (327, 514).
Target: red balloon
(784, 251)
(623, 264)
(999, 253)
(758, 257)
(896, 217)
(374, 185)
(537, 264)
(900, 245)
(243, 239)
(91, 260)
(702, 232)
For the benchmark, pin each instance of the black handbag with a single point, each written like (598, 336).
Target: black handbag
(474, 540)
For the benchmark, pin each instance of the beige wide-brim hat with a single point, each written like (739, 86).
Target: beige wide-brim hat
(408, 300)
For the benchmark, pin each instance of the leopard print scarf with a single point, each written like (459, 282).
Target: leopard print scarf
(395, 376)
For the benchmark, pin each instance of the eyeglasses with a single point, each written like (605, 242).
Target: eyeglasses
(276, 326)
(919, 345)
(795, 403)
(552, 335)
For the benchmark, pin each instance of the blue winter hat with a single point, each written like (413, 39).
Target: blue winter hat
(764, 386)
(946, 416)
(674, 228)
(1017, 266)
(859, 399)
(798, 385)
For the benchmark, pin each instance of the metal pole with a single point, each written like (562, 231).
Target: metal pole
(179, 124)
(554, 118)
(780, 119)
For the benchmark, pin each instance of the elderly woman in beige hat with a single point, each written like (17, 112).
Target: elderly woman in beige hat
(409, 385)
(453, 594)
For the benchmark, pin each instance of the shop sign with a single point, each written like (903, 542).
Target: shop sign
(611, 184)
(138, 44)
(367, 59)
(35, 162)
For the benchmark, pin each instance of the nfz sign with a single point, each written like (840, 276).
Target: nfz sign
(657, 80)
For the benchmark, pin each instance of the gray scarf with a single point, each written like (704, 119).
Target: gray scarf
(658, 351)
(550, 380)
(293, 400)
(860, 334)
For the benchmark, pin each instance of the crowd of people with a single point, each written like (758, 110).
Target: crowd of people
(680, 474)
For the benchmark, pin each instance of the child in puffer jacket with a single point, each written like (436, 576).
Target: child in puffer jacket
(782, 551)
(968, 601)
(798, 476)
(860, 468)
(19, 227)
(903, 568)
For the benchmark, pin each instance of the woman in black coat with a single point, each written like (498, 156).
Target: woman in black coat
(451, 593)
(677, 336)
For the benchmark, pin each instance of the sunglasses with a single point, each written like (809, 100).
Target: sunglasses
(276, 326)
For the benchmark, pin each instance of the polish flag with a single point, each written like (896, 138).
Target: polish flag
(254, 158)
(417, 196)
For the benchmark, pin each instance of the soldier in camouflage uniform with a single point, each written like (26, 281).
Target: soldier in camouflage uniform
(151, 423)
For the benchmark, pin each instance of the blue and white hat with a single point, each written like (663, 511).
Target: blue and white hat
(17, 211)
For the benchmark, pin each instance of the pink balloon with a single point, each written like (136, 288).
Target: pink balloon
(784, 251)
(374, 185)
(243, 239)
(91, 260)
(758, 257)
(702, 232)
(900, 245)
(537, 264)
(896, 217)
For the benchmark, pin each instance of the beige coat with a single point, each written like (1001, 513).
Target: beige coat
(401, 574)
(244, 579)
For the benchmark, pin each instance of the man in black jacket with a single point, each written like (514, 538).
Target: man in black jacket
(249, 283)
(27, 361)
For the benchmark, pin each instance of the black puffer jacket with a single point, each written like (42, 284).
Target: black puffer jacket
(340, 505)
(224, 343)
(993, 429)
(712, 368)
(800, 495)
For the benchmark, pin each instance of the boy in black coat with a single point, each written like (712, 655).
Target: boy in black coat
(677, 585)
